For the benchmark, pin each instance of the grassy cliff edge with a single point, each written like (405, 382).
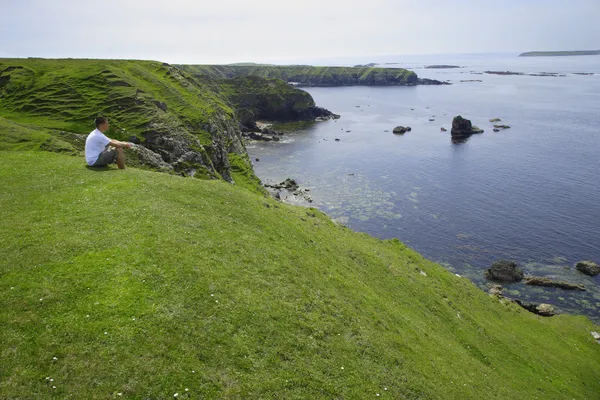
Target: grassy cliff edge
(138, 284)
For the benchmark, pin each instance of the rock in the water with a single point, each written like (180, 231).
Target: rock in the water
(495, 120)
(540, 281)
(402, 129)
(504, 271)
(496, 130)
(463, 127)
(545, 310)
(443, 129)
(501, 126)
(431, 119)
(337, 139)
(588, 267)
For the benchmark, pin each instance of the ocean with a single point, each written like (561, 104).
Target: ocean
(530, 193)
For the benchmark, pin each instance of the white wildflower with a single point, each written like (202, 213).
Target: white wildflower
(54, 358)
(176, 394)
(106, 333)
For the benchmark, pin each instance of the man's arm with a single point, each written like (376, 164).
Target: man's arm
(116, 143)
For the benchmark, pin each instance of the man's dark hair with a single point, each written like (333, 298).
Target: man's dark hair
(99, 121)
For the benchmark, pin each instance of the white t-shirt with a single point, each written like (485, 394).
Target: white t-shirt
(95, 144)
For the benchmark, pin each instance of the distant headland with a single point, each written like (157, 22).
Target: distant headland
(560, 53)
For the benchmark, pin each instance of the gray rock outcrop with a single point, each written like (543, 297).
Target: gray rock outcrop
(588, 267)
(462, 127)
(504, 271)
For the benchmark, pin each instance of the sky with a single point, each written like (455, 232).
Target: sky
(279, 31)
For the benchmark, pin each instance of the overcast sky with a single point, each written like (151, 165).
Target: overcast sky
(223, 31)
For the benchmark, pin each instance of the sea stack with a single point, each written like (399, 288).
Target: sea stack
(462, 127)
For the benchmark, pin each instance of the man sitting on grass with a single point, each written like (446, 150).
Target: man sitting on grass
(100, 150)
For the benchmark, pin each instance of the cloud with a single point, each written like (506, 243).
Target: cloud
(263, 30)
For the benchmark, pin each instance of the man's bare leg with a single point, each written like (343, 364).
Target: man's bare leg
(120, 158)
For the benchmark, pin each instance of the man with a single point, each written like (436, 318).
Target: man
(100, 150)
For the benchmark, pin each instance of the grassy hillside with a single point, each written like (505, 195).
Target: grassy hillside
(68, 94)
(309, 75)
(136, 284)
(184, 120)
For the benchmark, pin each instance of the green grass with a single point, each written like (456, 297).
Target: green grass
(309, 75)
(68, 94)
(208, 286)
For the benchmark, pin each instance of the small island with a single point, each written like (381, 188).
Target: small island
(560, 53)
(442, 66)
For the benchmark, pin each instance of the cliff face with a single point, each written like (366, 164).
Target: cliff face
(311, 76)
(186, 124)
(257, 98)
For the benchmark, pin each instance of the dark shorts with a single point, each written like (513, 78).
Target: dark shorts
(108, 156)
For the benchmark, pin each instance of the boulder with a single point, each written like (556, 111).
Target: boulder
(504, 271)
(495, 120)
(496, 130)
(402, 129)
(588, 267)
(544, 310)
(443, 129)
(495, 290)
(539, 281)
(463, 127)
(501, 126)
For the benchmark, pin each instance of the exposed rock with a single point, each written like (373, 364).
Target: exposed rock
(540, 281)
(588, 267)
(401, 129)
(443, 129)
(544, 310)
(161, 105)
(463, 127)
(431, 119)
(337, 140)
(257, 159)
(257, 136)
(495, 120)
(471, 80)
(289, 184)
(496, 130)
(501, 126)
(503, 73)
(495, 290)
(149, 158)
(425, 81)
(504, 271)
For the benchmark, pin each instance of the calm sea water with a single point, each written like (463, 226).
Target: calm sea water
(530, 193)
